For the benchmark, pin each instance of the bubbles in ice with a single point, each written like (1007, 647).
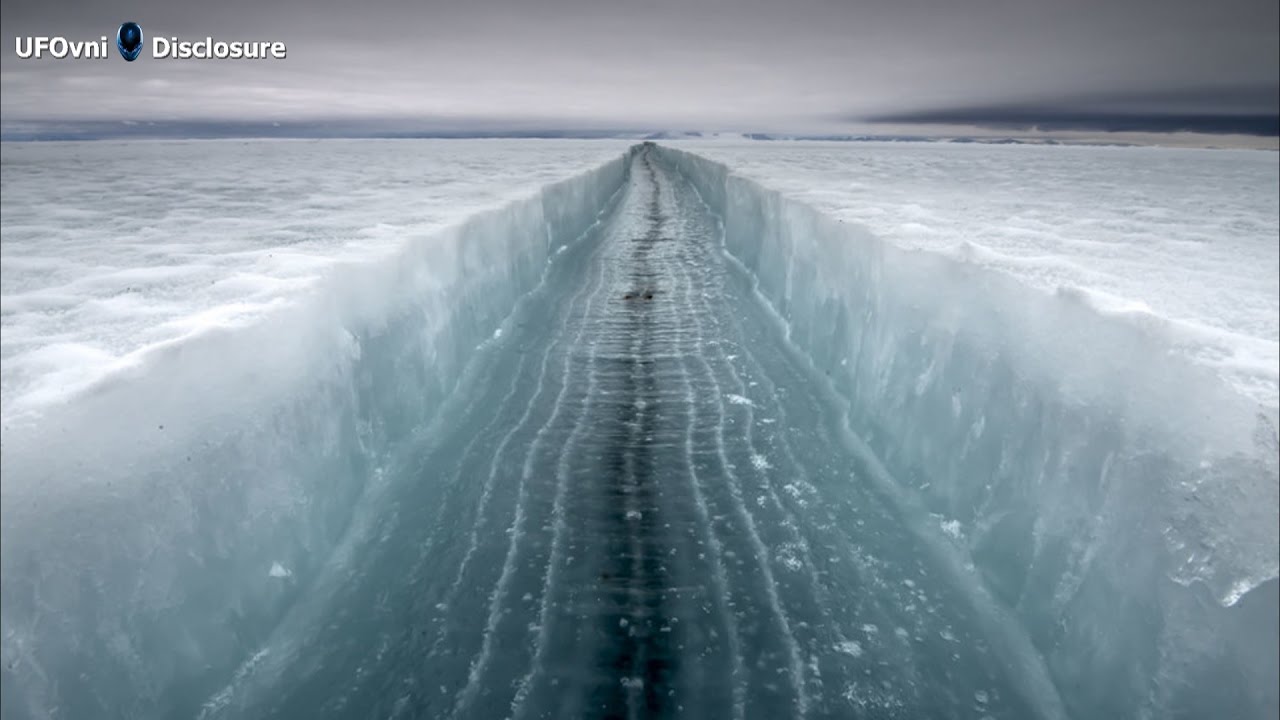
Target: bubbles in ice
(923, 382)
(952, 528)
(979, 426)
(279, 571)
(850, 647)
(870, 697)
(737, 399)
(789, 556)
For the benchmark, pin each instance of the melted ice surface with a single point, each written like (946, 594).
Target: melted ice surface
(1185, 239)
(102, 260)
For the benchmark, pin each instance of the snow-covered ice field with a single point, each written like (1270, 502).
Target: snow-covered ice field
(573, 429)
(1183, 239)
(111, 248)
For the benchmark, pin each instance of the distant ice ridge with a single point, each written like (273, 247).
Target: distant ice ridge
(155, 528)
(1119, 497)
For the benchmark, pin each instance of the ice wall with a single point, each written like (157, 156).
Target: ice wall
(1120, 500)
(156, 528)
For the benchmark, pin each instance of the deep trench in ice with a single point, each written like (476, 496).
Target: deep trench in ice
(668, 445)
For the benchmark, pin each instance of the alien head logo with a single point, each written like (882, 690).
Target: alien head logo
(129, 40)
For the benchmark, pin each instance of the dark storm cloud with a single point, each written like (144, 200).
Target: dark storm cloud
(1247, 111)
(745, 64)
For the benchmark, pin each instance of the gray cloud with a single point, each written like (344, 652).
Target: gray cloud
(1240, 110)
(722, 64)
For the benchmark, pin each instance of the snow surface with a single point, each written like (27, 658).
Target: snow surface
(1180, 239)
(220, 409)
(113, 249)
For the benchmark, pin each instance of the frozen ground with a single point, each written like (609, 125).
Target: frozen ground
(630, 433)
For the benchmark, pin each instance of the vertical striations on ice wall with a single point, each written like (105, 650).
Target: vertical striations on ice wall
(1119, 499)
(156, 528)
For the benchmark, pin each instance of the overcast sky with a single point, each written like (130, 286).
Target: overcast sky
(707, 64)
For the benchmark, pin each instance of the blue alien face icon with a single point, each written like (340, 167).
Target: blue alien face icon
(129, 40)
